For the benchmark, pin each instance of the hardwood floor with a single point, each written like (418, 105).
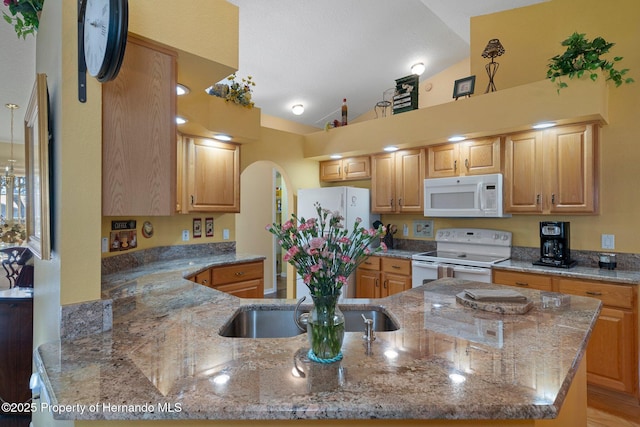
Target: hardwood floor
(610, 409)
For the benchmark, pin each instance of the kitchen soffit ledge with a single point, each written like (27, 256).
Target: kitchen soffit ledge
(505, 111)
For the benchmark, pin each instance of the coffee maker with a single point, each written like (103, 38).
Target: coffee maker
(554, 245)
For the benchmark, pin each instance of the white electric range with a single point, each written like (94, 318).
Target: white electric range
(463, 253)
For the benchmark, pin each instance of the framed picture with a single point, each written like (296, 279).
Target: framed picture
(36, 138)
(208, 226)
(197, 227)
(464, 87)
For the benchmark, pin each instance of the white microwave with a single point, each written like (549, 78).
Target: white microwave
(464, 196)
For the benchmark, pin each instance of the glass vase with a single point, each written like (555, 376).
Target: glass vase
(325, 328)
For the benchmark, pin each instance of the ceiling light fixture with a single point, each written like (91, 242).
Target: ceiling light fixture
(543, 125)
(456, 138)
(390, 148)
(222, 137)
(418, 68)
(182, 89)
(297, 109)
(180, 120)
(336, 156)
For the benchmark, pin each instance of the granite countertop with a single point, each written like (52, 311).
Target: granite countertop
(628, 277)
(16, 293)
(164, 358)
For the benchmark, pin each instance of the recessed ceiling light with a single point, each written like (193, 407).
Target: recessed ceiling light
(336, 156)
(182, 89)
(418, 68)
(457, 138)
(297, 109)
(543, 125)
(390, 148)
(222, 137)
(180, 120)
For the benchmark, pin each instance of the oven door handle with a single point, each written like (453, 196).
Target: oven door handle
(470, 269)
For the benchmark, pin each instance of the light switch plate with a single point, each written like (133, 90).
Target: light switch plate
(225, 234)
(105, 244)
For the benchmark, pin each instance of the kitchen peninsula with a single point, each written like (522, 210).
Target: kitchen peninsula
(164, 359)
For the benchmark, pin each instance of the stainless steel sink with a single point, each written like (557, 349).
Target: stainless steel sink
(277, 322)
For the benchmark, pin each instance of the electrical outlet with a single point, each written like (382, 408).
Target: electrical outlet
(105, 244)
(405, 230)
(225, 234)
(185, 235)
(608, 241)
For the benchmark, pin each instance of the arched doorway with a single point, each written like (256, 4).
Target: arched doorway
(265, 198)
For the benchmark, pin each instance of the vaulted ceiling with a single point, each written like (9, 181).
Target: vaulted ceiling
(313, 52)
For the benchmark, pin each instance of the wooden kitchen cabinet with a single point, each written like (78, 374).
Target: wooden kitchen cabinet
(472, 157)
(347, 169)
(16, 348)
(552, 171)
(397, 181)
(541, 282)
(612, 354)
(139, 133)
(244, 280)
(212, 176)
(379, 277)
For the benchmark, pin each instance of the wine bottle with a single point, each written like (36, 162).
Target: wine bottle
(344, 112)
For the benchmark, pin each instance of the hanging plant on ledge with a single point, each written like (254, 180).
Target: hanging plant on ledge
(584, 56)
(236, 92)
(25, 15)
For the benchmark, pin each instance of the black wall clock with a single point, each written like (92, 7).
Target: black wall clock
(102, 39)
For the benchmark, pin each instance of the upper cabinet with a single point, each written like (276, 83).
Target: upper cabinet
(397, 181)
(472, 157)
(346, 169)
(552, 171)
(139, 133)
(211, 176)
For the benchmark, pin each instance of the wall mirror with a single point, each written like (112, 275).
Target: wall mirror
(36, 139)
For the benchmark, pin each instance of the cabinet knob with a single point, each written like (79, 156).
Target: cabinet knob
(192, 200)
(522, 284)
(385, 284)
(553, 199)
(395, 266)
(239, 273)
(466, 163)
(537, 199)
(594, 294)
(455, 165)
(377, 283)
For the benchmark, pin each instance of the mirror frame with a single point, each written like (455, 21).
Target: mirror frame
(36, 135)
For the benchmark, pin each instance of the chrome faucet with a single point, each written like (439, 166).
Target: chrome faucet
(302, 320)
(369, 333)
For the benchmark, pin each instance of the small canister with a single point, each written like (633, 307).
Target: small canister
(607, 261)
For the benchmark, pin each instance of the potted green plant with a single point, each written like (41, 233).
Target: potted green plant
(25, 15)
(584, 56)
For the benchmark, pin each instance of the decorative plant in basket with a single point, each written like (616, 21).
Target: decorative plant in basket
(584, 56)
(325, 253)
(24, 15)
(238, 92)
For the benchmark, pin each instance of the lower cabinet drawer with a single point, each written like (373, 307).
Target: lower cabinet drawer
(371, 263)
(236, 273)
(609, 294)
(523, 280)
(396, 266)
